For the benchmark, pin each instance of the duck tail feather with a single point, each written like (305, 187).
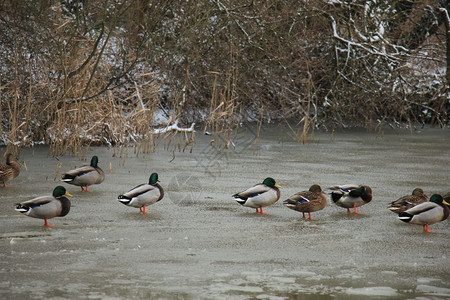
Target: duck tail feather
(335, 196)
(240, 201)
(405, 217)
(21, 208)
(124, 199)
(67, 178)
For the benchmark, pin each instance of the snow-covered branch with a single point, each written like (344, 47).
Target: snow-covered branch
(368, 46)
(447, 17)
(173, 127)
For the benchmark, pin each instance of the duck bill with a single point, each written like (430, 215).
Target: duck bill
(277, 186)
(445, 202)
(67, 194)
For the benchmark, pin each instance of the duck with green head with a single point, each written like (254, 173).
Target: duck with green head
(259, 195)
(143, 194)
(427, 213)
(351, 196)
(9, 171)
(406, 202)
(85, 176)
(308, 201)
(47, 207)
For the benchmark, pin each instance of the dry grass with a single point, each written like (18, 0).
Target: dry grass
(221, 120)
(106, 121)
(69, 123)
(225, 115)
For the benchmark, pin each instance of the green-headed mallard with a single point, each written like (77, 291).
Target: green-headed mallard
(427, 213)
(307, 201)
(351, 195)
(143, 194)
(85, 176)
(259, 195)
(47, 207)
(9, 171)
(408, 201)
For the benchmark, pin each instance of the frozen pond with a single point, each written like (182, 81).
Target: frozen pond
(199, 243)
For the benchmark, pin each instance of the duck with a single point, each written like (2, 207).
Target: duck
(9, 171)
(85, 176)
(144, 194)
(406, 202)
(308, 201)
(260, 195)
(427, 213)
(47, 207)
(351, 195)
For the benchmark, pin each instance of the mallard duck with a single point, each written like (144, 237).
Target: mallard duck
(259, 195)
(351, 195)
(307, 201)
(85, 176)
(143, 194)
(9, 171)
(47, 207)
(427, 213)
(408, 201)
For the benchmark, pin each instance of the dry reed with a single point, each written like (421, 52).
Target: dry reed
(222, 120)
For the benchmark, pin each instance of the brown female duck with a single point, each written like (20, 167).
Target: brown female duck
(406, 202)
(9, 171)
(307, 201)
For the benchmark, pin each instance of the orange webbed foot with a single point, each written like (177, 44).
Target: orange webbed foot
(48, 225)
(355, 211)
(143, 210)
(260, 211)
(426, 229)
